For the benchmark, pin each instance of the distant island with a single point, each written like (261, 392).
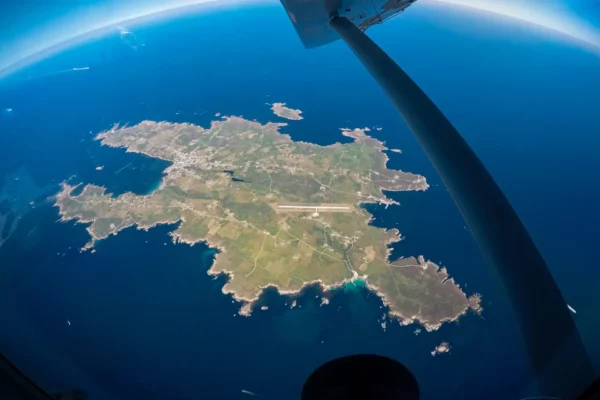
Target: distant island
(442, 348)
(290, 217)
(282, 111)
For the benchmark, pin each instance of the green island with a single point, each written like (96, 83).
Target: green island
(282, 214)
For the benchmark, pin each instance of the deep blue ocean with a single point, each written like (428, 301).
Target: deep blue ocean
(141, 319)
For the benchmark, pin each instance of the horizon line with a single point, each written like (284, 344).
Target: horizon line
(565, 26)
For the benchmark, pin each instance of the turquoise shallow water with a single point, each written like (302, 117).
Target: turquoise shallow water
(146, 320)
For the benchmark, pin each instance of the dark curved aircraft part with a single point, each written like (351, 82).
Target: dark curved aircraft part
(555, 348)
(14, 385)
(361, 376)
(557, 354)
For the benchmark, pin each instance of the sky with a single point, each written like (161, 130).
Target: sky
(33, 29)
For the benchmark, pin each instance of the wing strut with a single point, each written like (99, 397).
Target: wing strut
(556, 351)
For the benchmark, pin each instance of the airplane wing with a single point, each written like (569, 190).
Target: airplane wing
(311, 17)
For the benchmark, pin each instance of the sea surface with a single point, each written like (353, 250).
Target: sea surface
(140, 318)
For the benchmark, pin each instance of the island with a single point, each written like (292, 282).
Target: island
(442, 348)
(289, 113)
(282, 213)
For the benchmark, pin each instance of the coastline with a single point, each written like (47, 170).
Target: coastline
(248, 300)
